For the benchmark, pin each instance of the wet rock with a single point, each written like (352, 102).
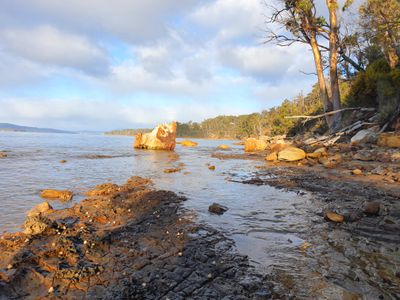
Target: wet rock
(224, 147)
(36, 225)
(357, 172)
(163, 137)
(333, 217)
(291, 154)
(3, 154)
(39, 209)
(372, 208)
(188, 143)
(63, 195)
(218, 209)
(63, 161)
(172, 170)
(212, 168)
(272, 156)
(364, 136)
(103, 190)
(254, 145)
(389, 139)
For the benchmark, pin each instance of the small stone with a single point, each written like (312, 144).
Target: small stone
(63, 161)
(51, 290)
(180, 253)
(212, 168)
(333, 217)
(357, 172)
(209, 275)
(305, 246)
(10, 266)
(372, 208)
(272, 156)
(216, 208)
(223, 147)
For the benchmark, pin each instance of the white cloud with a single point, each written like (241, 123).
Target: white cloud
(50, 46)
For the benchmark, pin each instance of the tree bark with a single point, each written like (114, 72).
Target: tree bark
(333, 52)
(323, 92)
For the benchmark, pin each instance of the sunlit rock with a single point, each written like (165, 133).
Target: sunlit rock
(253, 145)
(363, 137)
(57, 194)
(291, 154)
(188, 143)
(163, 137)
(39, 209)
(389, 139)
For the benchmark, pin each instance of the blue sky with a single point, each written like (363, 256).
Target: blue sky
(100, 65)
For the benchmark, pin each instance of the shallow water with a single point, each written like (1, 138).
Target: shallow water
(269, 225)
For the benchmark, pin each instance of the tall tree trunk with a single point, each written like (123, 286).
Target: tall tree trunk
(323, 92)
(333, 52)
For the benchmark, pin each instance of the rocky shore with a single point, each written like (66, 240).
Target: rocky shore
(123, 242)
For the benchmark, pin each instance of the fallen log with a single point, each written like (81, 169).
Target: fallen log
(329, 113)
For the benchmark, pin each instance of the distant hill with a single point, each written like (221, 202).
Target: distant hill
(129, 132)
(18, 128)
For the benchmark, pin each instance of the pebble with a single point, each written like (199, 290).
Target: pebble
(51, 290)
(357, 172)
(333, 217)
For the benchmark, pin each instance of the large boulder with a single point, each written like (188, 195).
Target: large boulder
(253, 145)
(364, 136)
(163, 137)
(291, 154)
(389, 139)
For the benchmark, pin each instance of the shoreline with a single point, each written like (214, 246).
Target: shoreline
(127, 241)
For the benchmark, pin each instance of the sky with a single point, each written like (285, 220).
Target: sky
(102, 65)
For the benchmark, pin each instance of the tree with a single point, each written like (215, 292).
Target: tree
(380, 20)
(299, 18)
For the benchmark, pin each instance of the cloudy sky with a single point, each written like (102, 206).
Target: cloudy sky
(100, 64)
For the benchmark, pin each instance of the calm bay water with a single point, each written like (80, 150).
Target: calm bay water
(267, 224)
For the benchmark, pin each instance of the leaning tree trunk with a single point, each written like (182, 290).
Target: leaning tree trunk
(323, 92)
(333, 52)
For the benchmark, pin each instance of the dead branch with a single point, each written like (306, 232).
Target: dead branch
(329, 113)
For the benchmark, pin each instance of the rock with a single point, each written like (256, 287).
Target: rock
(3, 154)
(395, 156)
(57, 194)
(36, 225)
(63, 161)
(103, 190)
(278, 147)
(291, 154)
(379, 171)
(364, 156)
(333, 217)
(163, 137)
(212, 168)
(173, 170)
(188, 143)
(39, 209)
(253, 145)
(389, 139)
(314, 155)
(364, 136)
(372, 208)
(356, 172)
(272, 156)
(224, 147)
(216, 208)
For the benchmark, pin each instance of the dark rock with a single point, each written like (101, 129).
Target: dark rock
(216, 208)
(372, 208)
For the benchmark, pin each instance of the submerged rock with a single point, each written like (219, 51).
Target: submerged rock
(172, 170)
(224, 147)
(291, 154)
(57, 194)
(163, 137)
(188, 143)
(218, 209)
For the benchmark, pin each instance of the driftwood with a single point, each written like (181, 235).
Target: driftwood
(330, 113)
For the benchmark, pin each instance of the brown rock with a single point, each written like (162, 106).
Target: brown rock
(291, 154)
(278, 147)
(272, 156)
(364, 156)
(57, 194)
(3, 155)
(322, 150)
(356, 172)
(333, 217)
(314, 155)
(389, 139)
(216, 208)
(163, 137)
(212, 168)
(224, 147)
(173, 170)
(372, 208)
(103, 190)
(39, 209)
(253, 145)
(63, 161)
(188, 143)
(36, 225)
